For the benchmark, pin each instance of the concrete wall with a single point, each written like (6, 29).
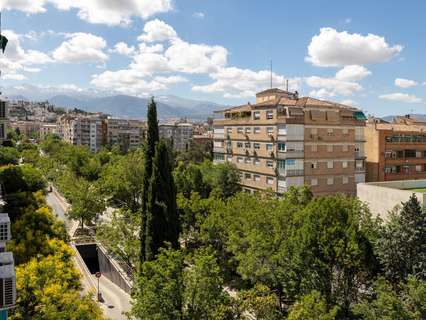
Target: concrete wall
(111, 271)
(382, 197)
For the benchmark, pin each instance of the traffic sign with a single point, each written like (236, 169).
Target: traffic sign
(98, 274)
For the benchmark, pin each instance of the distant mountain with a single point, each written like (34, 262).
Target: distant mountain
(134, 107)
(415, 116)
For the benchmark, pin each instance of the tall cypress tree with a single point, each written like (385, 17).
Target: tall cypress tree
(162, 220)
(151, 142)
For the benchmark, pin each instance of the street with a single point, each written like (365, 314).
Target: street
(114, 300)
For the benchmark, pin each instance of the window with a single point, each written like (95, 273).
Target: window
(330, 164)
(330, 148)
(247, 175)
(330, 181)
(256, 145)
(240, 130)
(281, 146)
(344, 164)
(345, 131)
(314, 131)
(329, 132)
(240, 159)
(270, 181)
(281, 164)
(256, 130)
(290, 162)
(247, 160)
(256, 162)
(314, 148)
(239, 144)
(256, 177)
(256, 115)
(269, 115)
(269, 163)
(247, 145)
(269, 146)
(419, 168)
(345, 180)
(314, 182)
(314, 165)
(270, 130)
(345, 148)
(230, 158)
(219, 157)
(229, 130)
(248, 130)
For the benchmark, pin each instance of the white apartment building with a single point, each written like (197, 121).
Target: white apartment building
(128, 134)
(179, 133)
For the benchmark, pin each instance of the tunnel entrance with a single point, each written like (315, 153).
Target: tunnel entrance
(89, 254)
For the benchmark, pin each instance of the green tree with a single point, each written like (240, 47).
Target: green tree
(260, 302)
(151, 142)
(223, 179)
(46, 294)
(159, 291)
(332, 249)
(162, 220)
(87, 203)
(408, 301)
(31, 234)
(188, 178)
(312, 307)
(24, 178)
(401, 246)
(8, 155)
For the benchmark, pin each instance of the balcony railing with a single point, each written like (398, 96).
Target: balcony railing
(219, 149)
(359, 154)
(357, 169)
(290, 172)
(290, 154)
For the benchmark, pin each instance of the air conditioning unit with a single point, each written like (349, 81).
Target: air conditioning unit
(7, 281)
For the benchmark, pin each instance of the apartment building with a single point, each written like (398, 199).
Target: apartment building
(81, 130)
(395, 151)
(47, 128)
(285, 140)
(127, 134)
(4, 122)
(179, 132)
(27, 128)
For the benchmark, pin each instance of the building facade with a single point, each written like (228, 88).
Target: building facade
(4, 122)
(283, 140)
(127, 134)
(395, 151)
(179, 132)
(81, 130)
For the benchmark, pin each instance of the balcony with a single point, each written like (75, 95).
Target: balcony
(359, 155)
(359, 170)
(290, 172)
(219, 149)
(219, 136)
(299, 154)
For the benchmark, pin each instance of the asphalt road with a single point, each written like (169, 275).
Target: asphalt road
(114, 300)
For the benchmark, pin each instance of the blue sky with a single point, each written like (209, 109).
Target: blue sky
(366, 53)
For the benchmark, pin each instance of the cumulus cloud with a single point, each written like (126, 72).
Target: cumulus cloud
(405, 83)
(401, 97)
(15, 76)
(330, 87)
(352, 73)
(349, 102)
(81, 47)
(157, 30)
(123, 49)
(234, 82)
(331, 48)
(96, 11)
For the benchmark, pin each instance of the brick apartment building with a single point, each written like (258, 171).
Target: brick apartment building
(283, 140)
(395, 151)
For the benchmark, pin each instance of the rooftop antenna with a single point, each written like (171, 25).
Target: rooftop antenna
(286, 85)
(271, 74)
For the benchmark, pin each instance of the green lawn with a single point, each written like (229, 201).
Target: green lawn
(423, 190)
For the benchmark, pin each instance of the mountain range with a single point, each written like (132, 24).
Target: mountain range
(119, 105)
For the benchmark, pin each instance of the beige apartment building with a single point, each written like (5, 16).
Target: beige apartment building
(127, 134)
(179, 132)
(395, 151)
(285, 140)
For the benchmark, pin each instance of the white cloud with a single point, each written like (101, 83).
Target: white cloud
(109, 12)
(405, 83)
(123, 49)
(15, 76)
(349, 103)
(332, 87)
(352, 73)
(170, 80)
(81, 47)
(199, 15)
(331, 48)
(156, 48)
(234, 82)
(157, 30)
(401, 97)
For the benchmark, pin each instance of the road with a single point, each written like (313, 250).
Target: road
(114, 300)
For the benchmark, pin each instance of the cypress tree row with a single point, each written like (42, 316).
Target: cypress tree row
(151, 141)
(160, 220)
